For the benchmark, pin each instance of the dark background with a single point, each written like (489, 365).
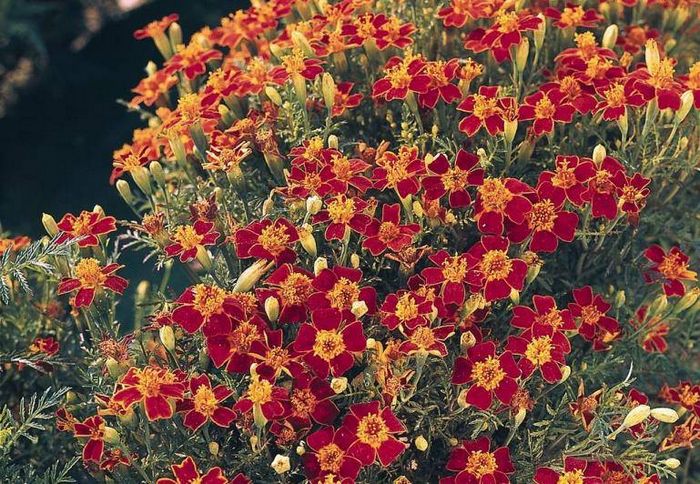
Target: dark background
(57, 138)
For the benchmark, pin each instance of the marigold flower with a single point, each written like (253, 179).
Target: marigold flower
(90, 278)
(545, 108)
(488, 374)
(573, 16)
(406, 309)
(344, 100)
(616, 96)
(659, 82)
(296, 64)
(343, 214)
(498, 199)
(87, 226)
(506, 31)
(373, 431)
(450, 274)
(575, 470)
(205, 404)
(202, 304)
(546, 315)
(384, 31)
(328, 458)
(684, 435)
(330, 342)
(263, 399)
(670, 268)
(602, 188)
(573, 91)
(487, 111)
(492, 270)
(187, 240)
(473, 461)
(540, 348)
(273, 357)
(388, 233)
(440, 75)
(399, 171)
(291, 287)
(230, 343)
(692, 82)
(685, 393)
(571, 172)
(633, 194)
(150, 89)
(589, 310)
(267, 239)
(191, 59)
(187, 473)
(153, 386)
(14, 244)
(310, 401)
(94, 429)
(426, 340)
(339, 288)
(401, 77)
(459, 12)
(156, 28)
(453, 180)
(47, 346)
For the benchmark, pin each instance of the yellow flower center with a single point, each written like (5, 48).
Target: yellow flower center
(455, 179)
(471, 70)
(539, 350)
(423, 338)
(570, 86)
(564, 177)
(552, 318)
(488, 373)
(687, 396)
(399, 76)
(542, 215)
(673, 267)
(603, 182)
(330, 458)
(544, 109)
(328, 345)
(507, 22)
(436, 71)
(454, 269)
(571, 16)
(694, 77)
(372, 431)
(81, 225)
(388, 231)
(571, 477)
(481, 464)
(274, 239)
(341, 167)
(294, 62)
(277, 357)
(205, 401)
(495, 265)
(343, 293)
(243, 336)
(303, 402)
(590, 314)
(586, 43)
(259, 391)
(494, 195)
(341, 210)
(208, 300)
(662, 74)
(597, 66)
(89, 273)
(484, 107)
(150, 380)
(296, 288)
(615, 96)
(187, 237)
(406, 308)
(189, 107)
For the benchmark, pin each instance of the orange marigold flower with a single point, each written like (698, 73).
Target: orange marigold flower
(150, 89)
(90, 278)
(486, 109)
(401, 77)
(685, 394)
(156, 28)
(14, 244)
(191, 59)
(573, 16)
(459, 12)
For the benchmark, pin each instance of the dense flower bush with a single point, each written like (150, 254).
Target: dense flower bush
(392, 241)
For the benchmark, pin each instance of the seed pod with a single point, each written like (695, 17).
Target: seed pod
(636, 416)
(665, 415)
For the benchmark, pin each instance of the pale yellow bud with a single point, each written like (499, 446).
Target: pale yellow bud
(274, 95)
(267, 206)
(49, 224)
(359, 308)
(565, 373)
(687, 300)
(355, 261)
(320, 264)
(314, 205)
(371, 343)
(687, 100)
(636, 416)
(114, 369)
(272, 308)
(125, 191)
(251, 276)
(665, 415)
(540, 32)
(620, 298)
(213, 448)
(111, 436)
(599, 154)
(421, 444)
(328, 89)
(339, 384)
(510, 128)
(300, 450)
(175, 33)
(417, 209)
(671, 463)
(156, 170)
(519, 417)
(521, 54)
(651, 55)
(462, 399)
(167, 337)
(466, 341)
(333, 142)
(610, 36)
(300, 41)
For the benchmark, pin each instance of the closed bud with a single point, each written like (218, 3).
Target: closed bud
(156, 170)
(204, 258)
(355, 261)
(665, 415)
(453, 442)
(610, 36)
(267, 206)
(213, 448)
(519, 417)
(636, 416)
(319, 265)
(371, 343)
(540, 32)
(111, 436)
(300, 450)
(623, 124)
(651, 55)
(272, 308)
(687, 300)
(417, 209)
(49, 224)
(620, 298)
(281, 464)
(251, 276)
(515, 296)
(333, 142)
(273, 95)
(462, 399)
(308, 242)
(658, 305)
(151, 68)
(328, 89)
(599, 154)
(167, 337)
(421, 444)
(565, 373)
(314, 205)
(339, 384)
(301, 42)
(125, 191)
(510, 127)
(359, 308)
(175, 33)
(671, 463)
(687, 100)
(466, 341)
(71, 397)
(521, 54)
(114, 369)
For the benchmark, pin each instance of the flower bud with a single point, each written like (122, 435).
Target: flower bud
(371, 343)
(462, 399)
(111, 436)
(301, 42)
(687, 300)
(175, 33)
(453, 442)
(623, 124)
(510, 127)
(328, 89)
(610, 36)
(333, 142)
(314, 205)
(156, 170)
(515, 296)
(50, 224)
(300, 450)
(620, 298)
(307, 240)
(114, 369)
(519, 417)
(651, 55)
(658, 305)
(142, 179)
(272, 308)
(636, 416)
(521, 54)
(125, 191)
(417, 209)
(204, 258)
(167, 337)
(540, 32)
(319, 265)
(281, 464)
(565, 373)
(355, 261)
(687, 100)
(359, 308)
(273, 95)
(213, 448)
(665, 415)
(599, 154)
(671, 463)
(466, 341)
(251, 276)
(339, 384)
(421, 444)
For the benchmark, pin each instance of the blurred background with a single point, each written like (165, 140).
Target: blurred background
(63, 66)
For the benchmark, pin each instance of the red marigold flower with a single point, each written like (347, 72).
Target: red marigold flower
(658, 82)
(187, 473)
(450, 274)
(633, 194)
(573, 91)
(585, 406)
(498, 199)
(542, 348)
(546, 315)
(682, 436)
(547, 222)
(90, 278)
(202, 305)
(344, 100)
(575, 470)
(633, 37)
(47, 346)
(493, 270)
(330, 342)
(273, 358)
(65, 421)
(399, 171)
(383, 31)
(590, 310)
(401, 77)
(373, 431)
(474, 462)
(426, 340)
(328, 458)
(291, 286)
(616, 96)
(505, 32)
(112, 458)
(459, 12)
(573, 16)
(14, 244)
(94, 429)
(310, 401)
(692, 82)
(453, 180)
(546, 108)
(267, 239)
(187, 240)
(670, 268)
(153, 386)
(296, 64)
(488, 374)
(344, 214)
(487, 110)
(440, 75)
(87, 226)
(407, 309)
(150, 89)
(388, 233)
(230, 343)
(191, 59)
(205, 404)
(602, 188)
(653, 337)
(685, 394)
(338, 288)
(569, 176)
(156, 28)
(194, 109)
(264, 399)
